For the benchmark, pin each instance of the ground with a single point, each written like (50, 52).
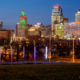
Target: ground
(40, 72)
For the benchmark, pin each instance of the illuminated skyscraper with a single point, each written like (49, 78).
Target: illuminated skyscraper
(77, 16)
(56, 16)
(21, 27)
(1, 25)
(59, 30)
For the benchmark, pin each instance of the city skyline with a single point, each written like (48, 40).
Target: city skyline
(36, 11)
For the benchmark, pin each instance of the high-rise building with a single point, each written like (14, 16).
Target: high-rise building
(1, 25)
(72, 29)
(12, 34)
(56, 16)
(17, 29)
(33, 31)
(59, 30)
(77, 16)
(5, 34)
(65, 20)
(21, 27)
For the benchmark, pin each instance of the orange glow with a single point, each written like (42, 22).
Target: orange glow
(57, 5)
(77, 22)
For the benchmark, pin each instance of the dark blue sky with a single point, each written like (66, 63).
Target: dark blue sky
(35, 10)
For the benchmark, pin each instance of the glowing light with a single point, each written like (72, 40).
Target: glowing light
(56, 20)
(57, 5)
(46, 51)
(0, 55)
(24, 26)
(77, 22)
(23, 13)
(31, 30)
(60, 27)
(73, 50)
(23, 54)
(34, 52)
(24, 17)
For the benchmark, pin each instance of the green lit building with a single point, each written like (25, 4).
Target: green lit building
(59, 30)
(56, 16)
(21, 27)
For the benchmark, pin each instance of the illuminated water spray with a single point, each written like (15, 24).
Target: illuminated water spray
(46, 52)
(73, 50)
(23, 54)
(34, 54)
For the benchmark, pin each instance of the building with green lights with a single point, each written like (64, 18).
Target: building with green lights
(56, 16)
(59, 30)
(21, 27)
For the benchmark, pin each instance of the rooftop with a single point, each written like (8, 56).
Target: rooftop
(57, 5)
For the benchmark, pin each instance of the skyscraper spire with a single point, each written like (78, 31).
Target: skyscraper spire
(23, 13)
(22, 20)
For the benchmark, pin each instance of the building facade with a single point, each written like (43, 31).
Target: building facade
(21, 27)
(33, 31)
(59, 30)
(56, 16)
(77, 16)
(72, 29)
(5, 34)
(1, 25)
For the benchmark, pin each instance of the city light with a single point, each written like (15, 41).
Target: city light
(46, 52)
(34, 52)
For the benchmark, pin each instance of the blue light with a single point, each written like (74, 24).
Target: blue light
(67, 36)
(34, 52)
(46, 51)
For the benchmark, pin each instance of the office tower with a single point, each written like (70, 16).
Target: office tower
(77, 16)
(12, 34)
(65, 20)
(57, 16)
(21, 27)
(43, 31)
(72, 29)
(33, 31)
(5, 34)
(59, 30)
(17, 29)
(1, 25)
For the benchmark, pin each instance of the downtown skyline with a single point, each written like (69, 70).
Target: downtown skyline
(36, 11)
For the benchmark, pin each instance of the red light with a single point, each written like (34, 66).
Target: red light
(76, 39)
(30, 58)
(23, 10)
(58, 22)
(57, 5)
(24, 17)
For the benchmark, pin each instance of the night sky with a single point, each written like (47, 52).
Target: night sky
(35, 10)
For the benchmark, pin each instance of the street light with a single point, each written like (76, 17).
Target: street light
(23, 54)
(73, 50)
(11, 55)
(49, 49)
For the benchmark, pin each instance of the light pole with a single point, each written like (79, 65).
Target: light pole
(23, 54)
(49, 49)
(73, 50)
(11, 55)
